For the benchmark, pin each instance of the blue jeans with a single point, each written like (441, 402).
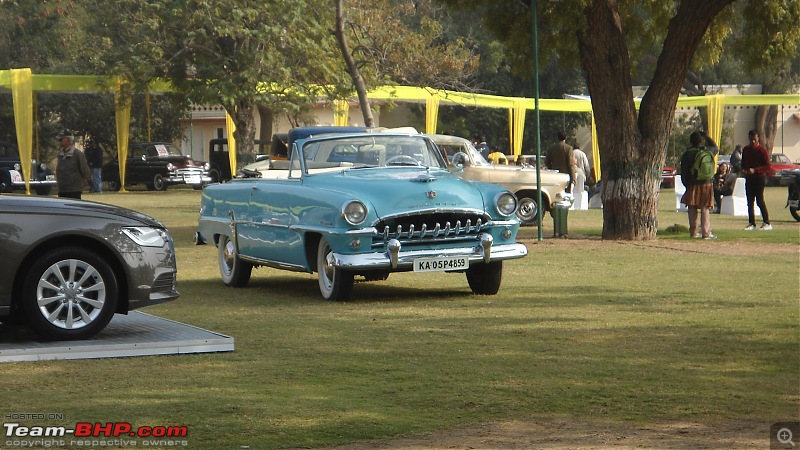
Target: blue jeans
(95, 181)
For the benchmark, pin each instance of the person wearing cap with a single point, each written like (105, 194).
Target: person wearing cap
(72, 170)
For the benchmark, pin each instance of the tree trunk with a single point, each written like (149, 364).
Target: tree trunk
(352, 67)
(766, 123)
(633, 147)
(243, 117)
(267, 118)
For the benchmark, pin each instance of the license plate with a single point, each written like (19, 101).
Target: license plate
(441, 263)
(192, 180)
(50, 177)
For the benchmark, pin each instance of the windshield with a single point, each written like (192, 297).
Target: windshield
(451, 149)
(372, 150)
(161, 150)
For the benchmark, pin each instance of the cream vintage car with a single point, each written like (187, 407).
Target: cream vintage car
(464, 159)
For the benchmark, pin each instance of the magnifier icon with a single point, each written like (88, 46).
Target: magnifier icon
(785, 436)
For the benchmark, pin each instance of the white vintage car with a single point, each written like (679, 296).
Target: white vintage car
(464, 159)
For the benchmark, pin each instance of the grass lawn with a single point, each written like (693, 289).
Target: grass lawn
(673, 330)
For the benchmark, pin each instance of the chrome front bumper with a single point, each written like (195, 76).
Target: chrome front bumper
(394, 258)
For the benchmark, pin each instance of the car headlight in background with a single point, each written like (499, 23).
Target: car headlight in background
(206, 166)
(354, 212)
(170, 167)
(17, 167)
(147, 236)
(506, 203)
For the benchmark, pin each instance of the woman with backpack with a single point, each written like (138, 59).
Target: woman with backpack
(697, 174)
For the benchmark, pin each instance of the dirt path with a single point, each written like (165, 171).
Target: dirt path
(568, 434)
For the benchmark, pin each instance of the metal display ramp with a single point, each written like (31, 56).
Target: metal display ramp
(135, 334)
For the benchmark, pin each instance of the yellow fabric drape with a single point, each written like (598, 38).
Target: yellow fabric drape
(341, 112)
(431, 113)
(714, 111)
(22, 94)
(231, 127)
(518, 127)
(595, 151)
(147, 110)
(123, 122)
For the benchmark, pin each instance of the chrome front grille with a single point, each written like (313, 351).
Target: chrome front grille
(430, 227)
(190, 171)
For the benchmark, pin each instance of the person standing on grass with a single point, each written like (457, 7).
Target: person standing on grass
(94, 157)
(559, 157)
(72, 170)
(755, 167)
(699, 193)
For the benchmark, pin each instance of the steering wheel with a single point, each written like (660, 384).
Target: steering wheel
(402, 160)
(460, 158)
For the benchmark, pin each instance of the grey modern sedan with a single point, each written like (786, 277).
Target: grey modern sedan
(67, 266)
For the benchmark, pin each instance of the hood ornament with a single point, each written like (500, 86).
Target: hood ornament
(424, 178)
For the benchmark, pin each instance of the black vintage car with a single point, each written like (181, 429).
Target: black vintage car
(157, 165)
(42, 179)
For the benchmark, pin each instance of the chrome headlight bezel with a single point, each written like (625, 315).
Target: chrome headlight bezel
(147, 236)
(206, 166)
(354, 212)
(170, 167)
(506, 203)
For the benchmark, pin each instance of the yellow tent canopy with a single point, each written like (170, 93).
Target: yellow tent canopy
(23, 83)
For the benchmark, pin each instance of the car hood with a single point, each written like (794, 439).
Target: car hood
(400, 189)
(63, 206)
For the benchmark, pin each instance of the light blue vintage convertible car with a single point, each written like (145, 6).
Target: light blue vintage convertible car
(360, 204)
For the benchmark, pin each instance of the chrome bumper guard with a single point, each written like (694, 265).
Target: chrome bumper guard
(396, 259)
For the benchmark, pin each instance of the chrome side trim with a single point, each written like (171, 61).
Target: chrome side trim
(274, 264)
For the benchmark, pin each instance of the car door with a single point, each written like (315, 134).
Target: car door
(266, 233)
(135, 166)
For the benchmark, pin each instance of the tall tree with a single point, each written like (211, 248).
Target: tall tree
(237, 53)
(608, 38)
(397, 42)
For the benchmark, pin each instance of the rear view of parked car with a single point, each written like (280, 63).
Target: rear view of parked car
(42, 178)
(780, 163)
(68, 266)
(157, 165)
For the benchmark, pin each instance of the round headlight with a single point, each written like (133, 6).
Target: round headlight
(506, 203)
(354, 212)
(206, 166)
(170, 167)
(17, 167)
